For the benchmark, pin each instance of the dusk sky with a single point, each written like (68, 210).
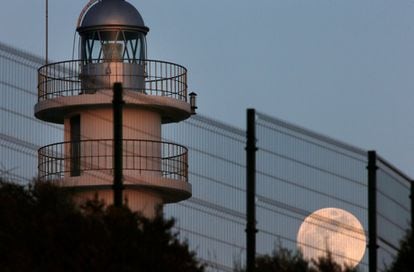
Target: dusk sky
(343, 68)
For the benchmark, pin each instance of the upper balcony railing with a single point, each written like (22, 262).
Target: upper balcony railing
(140, 157)
(75, 77)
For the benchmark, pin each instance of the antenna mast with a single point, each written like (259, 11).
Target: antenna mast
(47, 33)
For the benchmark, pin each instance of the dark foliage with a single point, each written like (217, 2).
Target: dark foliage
(284, 260)
(404, 262)
(41, 229)
(327, 264)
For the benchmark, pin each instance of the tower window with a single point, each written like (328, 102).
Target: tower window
(75, 146)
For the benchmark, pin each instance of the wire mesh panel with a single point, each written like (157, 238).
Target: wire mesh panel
(298, 173)
(213, 220)
(393, 211)
(20, 133)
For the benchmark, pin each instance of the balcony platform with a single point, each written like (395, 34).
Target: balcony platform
(74, 85)
(172, 190)
(55, 109)
(160, 167)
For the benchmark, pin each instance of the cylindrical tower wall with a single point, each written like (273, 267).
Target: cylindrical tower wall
(145, 202)
(92, 149)
(137, 124)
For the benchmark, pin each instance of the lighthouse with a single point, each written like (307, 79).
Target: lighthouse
(79, 94)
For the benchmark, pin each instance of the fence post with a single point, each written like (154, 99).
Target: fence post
(251, 190)
(412, 207)
(117, 105)
(372, 211)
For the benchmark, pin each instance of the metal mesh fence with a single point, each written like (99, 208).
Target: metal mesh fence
(213, 219)
(298, 172)
(393, 211)
(20, 133)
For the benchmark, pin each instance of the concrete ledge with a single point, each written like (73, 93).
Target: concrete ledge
(171, 190)
(55, 109)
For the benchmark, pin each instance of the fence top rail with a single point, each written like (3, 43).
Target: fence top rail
(394, 170)
(219, 125)
(318, 136)
(34, 59)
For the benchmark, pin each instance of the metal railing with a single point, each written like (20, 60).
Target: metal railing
(146, 157)
(75, 77)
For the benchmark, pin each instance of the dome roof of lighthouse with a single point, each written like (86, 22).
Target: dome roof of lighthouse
(112, 13)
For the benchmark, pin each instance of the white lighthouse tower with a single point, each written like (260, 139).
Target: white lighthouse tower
(79, 94)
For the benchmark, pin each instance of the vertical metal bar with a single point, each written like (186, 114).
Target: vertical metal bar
(175, 80)
(133, 155)
(140, 152)
(117, 105)
(251, 189)
(47, 33)
(105, 146)
(162, 78)
(372, 211)
(412, 207)
(75, 146)
(99, 155)
(148, 74)
(156, 78)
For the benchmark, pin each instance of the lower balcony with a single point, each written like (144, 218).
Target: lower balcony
(155, 165)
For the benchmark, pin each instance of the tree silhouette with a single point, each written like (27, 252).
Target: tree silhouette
(328, 264)
(404, 262)
(41, 229)
(284, 260)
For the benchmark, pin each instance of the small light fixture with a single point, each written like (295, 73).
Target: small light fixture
(193, 102)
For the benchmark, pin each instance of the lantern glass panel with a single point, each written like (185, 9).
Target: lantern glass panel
(113, 45)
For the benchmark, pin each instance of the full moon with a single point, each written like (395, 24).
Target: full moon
(334, 230)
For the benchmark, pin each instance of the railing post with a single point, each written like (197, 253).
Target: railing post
(251, 190)
(372, 211)
(117, 105)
